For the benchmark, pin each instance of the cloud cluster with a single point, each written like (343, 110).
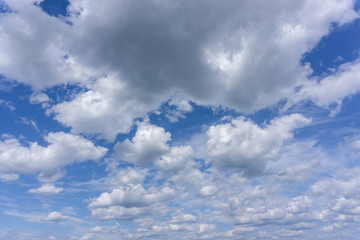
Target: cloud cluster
(30, 158)
(243, 144)
(150, 144)
(130, 202)
(106, 109)
(129, 60)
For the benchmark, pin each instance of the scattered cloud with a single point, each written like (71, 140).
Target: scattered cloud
(46, 189)
(243, 144)
(63, 149)
(55, 217)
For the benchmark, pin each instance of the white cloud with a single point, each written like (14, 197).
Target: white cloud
(130, 202)
(343, 83)
(46, 189)
(176, 159)
(106, 109)
(39, 98)
(96, 229)
(124, 177)
(55, 217)
(7, 104)
(131, 196)
(243, 144)
(33, 48)
(342, 184)
(221, 60)
(183, 218)
(148, 144)
(63, 149)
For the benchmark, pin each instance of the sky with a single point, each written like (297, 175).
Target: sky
(169, 119)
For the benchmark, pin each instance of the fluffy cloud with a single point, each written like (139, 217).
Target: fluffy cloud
(124, 177)
(243, 144)
(35, 43)
(55, 217)
(63, 149)
(106, 109)
(130, 202)
(220, 60)
(46, 189)
(148, 144)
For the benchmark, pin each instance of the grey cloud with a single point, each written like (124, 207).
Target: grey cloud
(212, 52)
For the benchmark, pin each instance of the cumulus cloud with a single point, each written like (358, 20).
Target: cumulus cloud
(124, 177)
(220, 60)
(176, 159)
(243, 144)
(55, 217)
(129, 202)
(148, 144)
(33, 49)
(46, 189)
(106, 109)
(63, 149)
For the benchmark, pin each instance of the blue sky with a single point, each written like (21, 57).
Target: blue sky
(168, 119)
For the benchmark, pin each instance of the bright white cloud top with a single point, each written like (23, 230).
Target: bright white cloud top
(169, 119)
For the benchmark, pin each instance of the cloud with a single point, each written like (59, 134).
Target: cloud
(220, 60)
(343, 183)
(176, 159)
(33, 48)
(39, 98)
(343, 83)
(55, 217)
(7, 104)
(124, 177)
(63, 149)
(96, 229)
(243, 144)
(106, 109)
(46, 189)
(183, 218)
(148, 145)
(130, 202)
(132, 60)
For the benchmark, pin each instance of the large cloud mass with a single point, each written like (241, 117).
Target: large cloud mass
(213, 52)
